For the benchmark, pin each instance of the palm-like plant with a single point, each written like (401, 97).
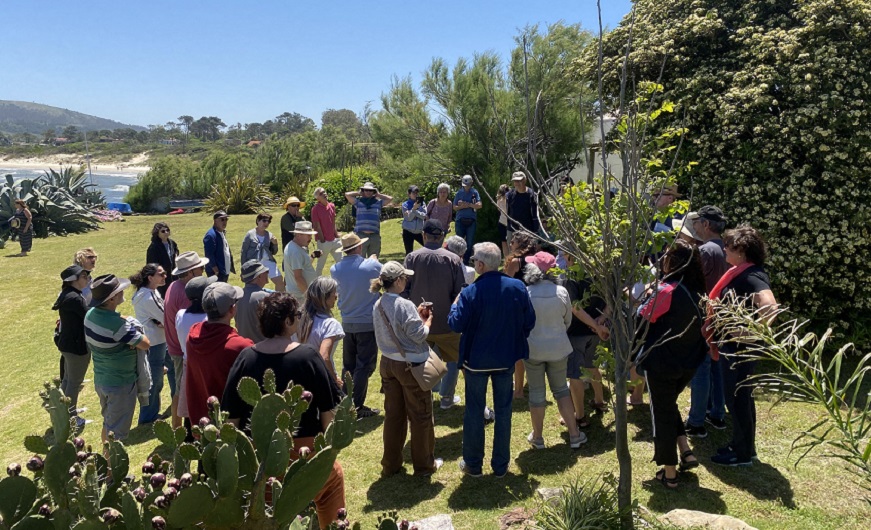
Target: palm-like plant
(54, 209)
(75, 182)
(239, 194)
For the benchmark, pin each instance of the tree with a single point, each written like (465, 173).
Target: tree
(293, 123)
(346, 121)
(48, 136)
(71, 132)
(774, 97)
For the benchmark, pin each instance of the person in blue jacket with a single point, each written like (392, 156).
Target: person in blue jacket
(492, 341)
(217, 249)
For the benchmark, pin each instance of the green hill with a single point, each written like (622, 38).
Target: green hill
(34, 118)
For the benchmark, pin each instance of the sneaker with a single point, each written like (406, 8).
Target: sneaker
(366, 412)
(730, 459)
(500, 475)
(728, 449)
(448, 402)
(467, 470)
(537, 443)
(81, 422)
(715, 423)
(81, 410)
(489, 415)
(437, 464)
(696, 432)
(576, 443)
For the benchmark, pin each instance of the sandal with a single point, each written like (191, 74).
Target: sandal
(583, 422)
(670, 483)
(600, 408)
(686, 465)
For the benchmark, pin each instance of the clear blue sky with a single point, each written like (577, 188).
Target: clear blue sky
(150, 62)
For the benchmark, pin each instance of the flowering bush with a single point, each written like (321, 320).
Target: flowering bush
(773, 96)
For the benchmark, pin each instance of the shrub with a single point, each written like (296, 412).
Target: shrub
(336, 184)
(240, 194)
(774, 97)
(54, 210)
(589, 504)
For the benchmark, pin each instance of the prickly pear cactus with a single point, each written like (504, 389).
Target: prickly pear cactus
(248, 482)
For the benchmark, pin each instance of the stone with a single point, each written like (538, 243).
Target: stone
(517, 519)
(549, 495)
(436, 522)
(710, 521)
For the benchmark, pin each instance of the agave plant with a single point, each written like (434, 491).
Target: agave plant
(54, 210)
(239, 194)
(75, 182)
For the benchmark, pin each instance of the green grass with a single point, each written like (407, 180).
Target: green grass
(819, 494)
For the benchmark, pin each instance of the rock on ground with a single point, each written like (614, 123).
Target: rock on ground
(436, 522)
(710, 521)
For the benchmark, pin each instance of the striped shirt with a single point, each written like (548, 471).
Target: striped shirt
(112, 339)
(369, 217)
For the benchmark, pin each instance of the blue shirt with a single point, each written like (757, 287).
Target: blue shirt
(470, 196)
(354, 275)
(493, 338)
(412, 218)
(369, 217)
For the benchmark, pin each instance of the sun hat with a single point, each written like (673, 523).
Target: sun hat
(668, 188)
(685, 225)
(433, 227)
(105, 287)
(518, 175)
(220, 214)
(304, 227)
(392, 270)
(712, 213)
(543, 260)
(467, 180)
(293, 200)
(219, 297)
(71, 273)
(368, 186)
(187, 261)
(193, 289)
(252, 269)
(350, 241)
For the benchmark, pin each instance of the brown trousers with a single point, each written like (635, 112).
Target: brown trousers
(405, 403)
(332, 495)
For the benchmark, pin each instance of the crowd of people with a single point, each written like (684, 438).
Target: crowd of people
(510, 314)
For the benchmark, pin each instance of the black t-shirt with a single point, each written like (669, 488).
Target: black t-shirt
(521, 207)
(595, 305)
(751, 281)
(302, 365)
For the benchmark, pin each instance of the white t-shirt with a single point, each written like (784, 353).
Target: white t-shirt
(227, 258)
(469, 275)
(184, 321)
(325, 327)
(297, 258)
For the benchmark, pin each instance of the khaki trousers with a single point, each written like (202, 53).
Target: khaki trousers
(405, 403)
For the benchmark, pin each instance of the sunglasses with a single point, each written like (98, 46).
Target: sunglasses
(294, 205)
(164, 230)
(267, 221)
(161, 273)
(91, 257)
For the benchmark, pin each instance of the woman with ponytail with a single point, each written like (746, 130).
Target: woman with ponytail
(148, 306)
(317, 326)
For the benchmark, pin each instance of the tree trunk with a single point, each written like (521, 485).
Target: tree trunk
(622, 348)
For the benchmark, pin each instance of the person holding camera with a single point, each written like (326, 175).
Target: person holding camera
(413, 215)
(369, 203)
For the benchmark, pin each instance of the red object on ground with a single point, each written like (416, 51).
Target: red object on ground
(176, 212)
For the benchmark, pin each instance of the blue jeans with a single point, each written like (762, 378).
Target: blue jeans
(467, 233)
(170, 374)
(473, 419)
(156, 361)
(448, 385)
(706, 393)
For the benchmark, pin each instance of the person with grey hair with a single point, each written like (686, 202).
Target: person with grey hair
(457, 245)
(492, 341)
(549, 349)
(441, 208)
(324, 222)
(467, 202)
(317, 326)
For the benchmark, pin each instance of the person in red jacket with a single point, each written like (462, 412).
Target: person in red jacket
(212, 348)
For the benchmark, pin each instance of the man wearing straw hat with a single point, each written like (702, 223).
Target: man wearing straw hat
(354, 275)
(188, 265)
(298, 267)
(293, 206)
(114, 342)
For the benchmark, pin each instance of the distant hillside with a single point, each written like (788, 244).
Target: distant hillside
(24, 117)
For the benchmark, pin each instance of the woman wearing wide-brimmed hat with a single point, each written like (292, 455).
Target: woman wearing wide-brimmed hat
(22, 221)
(119, 348)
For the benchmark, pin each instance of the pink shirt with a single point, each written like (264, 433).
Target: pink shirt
(175, 301)
(325, 217)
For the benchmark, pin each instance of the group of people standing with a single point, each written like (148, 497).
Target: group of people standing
(496, 315)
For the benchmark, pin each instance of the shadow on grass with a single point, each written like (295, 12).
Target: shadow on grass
(688, 495)
(554, 459)
(489, 492)
(763, 481)
(400, 492)
(367, 425)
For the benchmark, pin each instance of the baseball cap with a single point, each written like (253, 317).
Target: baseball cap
(467, 180)
(193, 289)
(712, 213)
(433, 227)
(392, 270)
(219, 297)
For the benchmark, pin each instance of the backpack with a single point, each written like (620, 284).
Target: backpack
(57, 331)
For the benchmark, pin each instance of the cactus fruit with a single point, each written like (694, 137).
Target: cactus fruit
(342, 514)
(204, 421)
(185, 481)
(158, 523)
(111, 516)
(45, 510)
(158, 480)
(79, 442)
(307, 396)
(173, 483)
(170, 494)
(13, 469)
(139, 494)
(35, 464)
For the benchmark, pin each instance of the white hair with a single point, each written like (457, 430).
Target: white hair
(318, 192)
(443, 186)
(489, 254)
(457, 245)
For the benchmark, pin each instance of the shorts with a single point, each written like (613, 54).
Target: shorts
(583, 354)
(178, 364)
(503, 232)
(117, 406)
(273, 268)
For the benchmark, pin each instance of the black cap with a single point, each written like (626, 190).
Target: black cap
(433, 227)
(219, 213)
(71, 273)
(712, 213)
(413, 189)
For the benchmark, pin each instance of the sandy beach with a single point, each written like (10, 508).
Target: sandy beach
(134, 166)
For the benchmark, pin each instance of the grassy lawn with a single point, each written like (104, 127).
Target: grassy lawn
(774, 494)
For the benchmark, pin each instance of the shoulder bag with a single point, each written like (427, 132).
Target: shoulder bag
(428, 373)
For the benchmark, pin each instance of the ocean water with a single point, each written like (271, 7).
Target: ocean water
(114, 185)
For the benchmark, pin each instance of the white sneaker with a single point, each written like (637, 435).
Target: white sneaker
(445, 404)
(489, 414)
(537, 443)
(576, 443)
